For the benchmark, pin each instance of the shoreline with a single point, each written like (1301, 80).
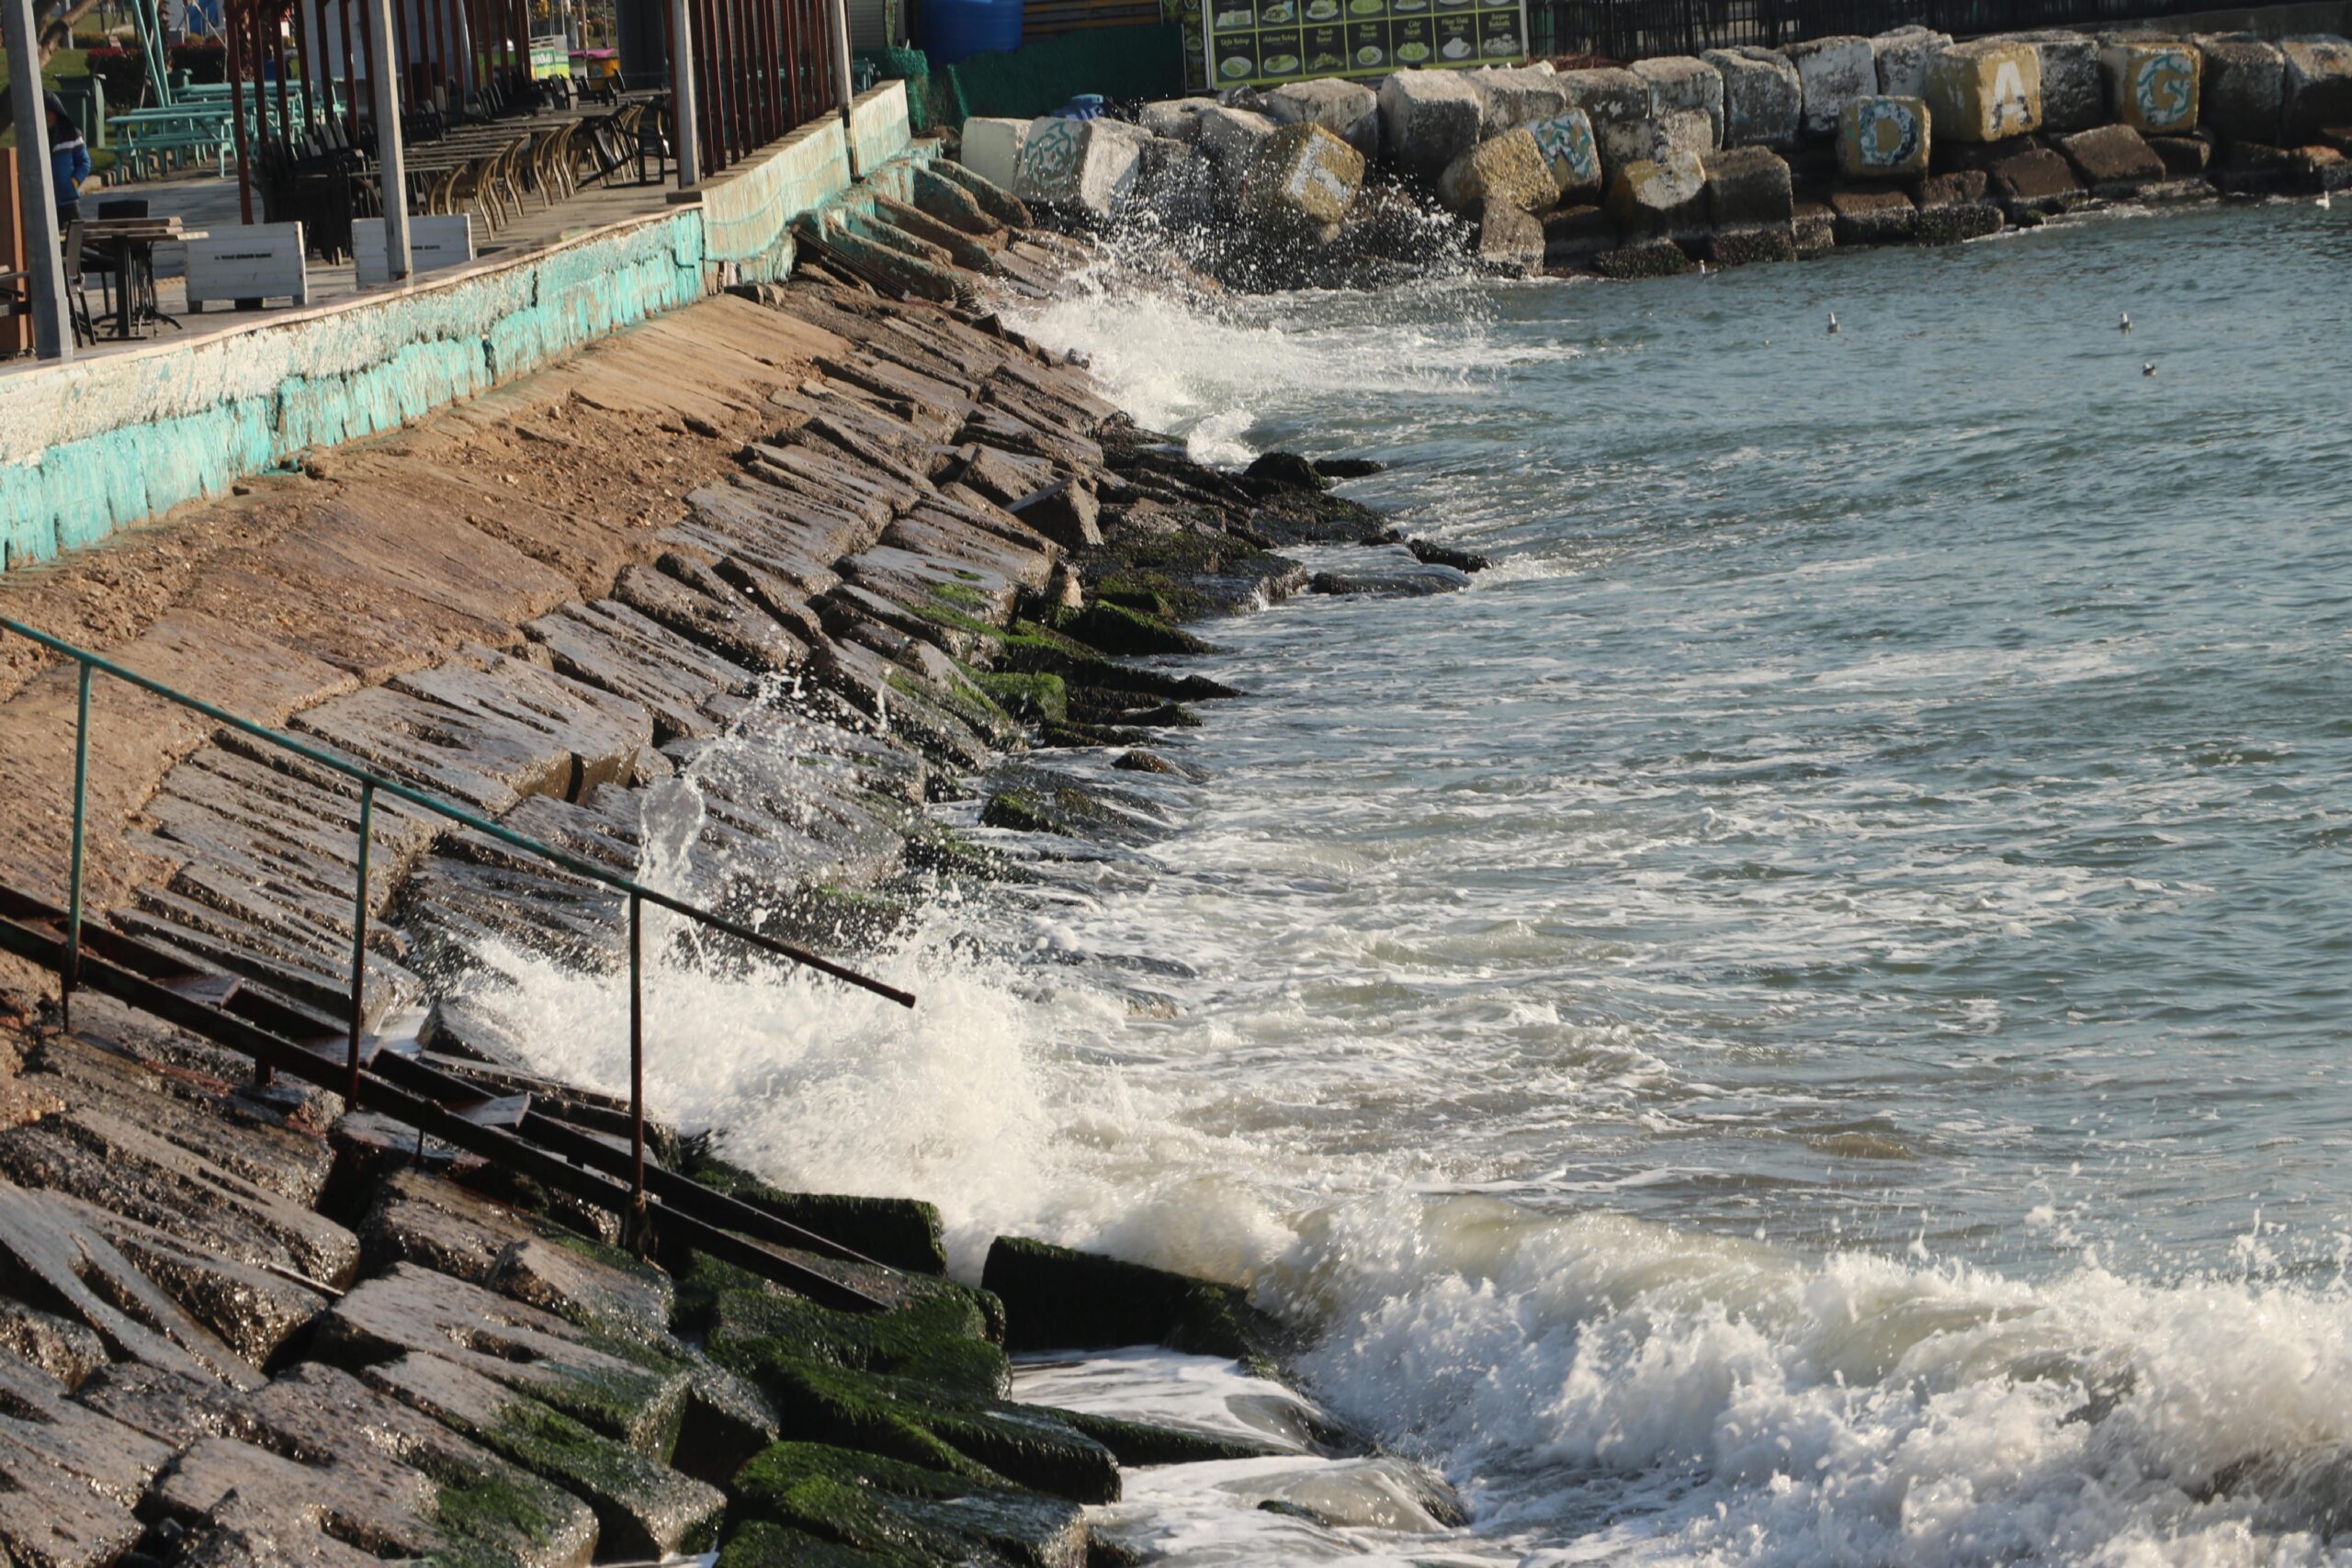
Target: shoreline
(308, 1320)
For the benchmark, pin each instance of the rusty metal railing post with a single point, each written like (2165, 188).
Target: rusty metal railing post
(71, 973)
(637, 1061)
(360, 944)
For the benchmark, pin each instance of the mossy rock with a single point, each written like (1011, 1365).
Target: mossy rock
(1040, 800)
(490, 1521)
(1116, 629)
(762, 1544)
(1138, 1443)
(942, 1340)
(901, 1231)
(1059, 1299)
(900, 1512)
(923, 1424)
(1040, 698)
(935, 847)
(829, 918)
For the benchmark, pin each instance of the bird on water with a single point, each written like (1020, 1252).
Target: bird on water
(1833, 321)
(2149, 369)
(2326, 200)
(2125, 324)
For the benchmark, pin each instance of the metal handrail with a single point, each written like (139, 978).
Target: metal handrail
(369, 784)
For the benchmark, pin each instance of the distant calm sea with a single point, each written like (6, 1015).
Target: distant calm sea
(1805, 1019)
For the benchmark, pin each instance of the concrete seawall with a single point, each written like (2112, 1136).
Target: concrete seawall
(92, 446)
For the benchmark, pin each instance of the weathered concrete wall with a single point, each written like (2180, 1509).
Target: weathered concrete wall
(97, 445)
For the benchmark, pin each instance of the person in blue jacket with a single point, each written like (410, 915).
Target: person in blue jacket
(69, 160)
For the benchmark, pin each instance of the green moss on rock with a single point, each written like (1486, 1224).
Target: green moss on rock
(764, 1544)
(901, 1231)
(1036, 698)
(940, 1339)
(1114, 628)
(907, 1513)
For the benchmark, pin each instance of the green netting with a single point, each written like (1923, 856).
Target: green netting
(1121, 63)
(912, 67)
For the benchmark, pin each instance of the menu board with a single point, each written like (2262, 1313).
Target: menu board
(1263, 43)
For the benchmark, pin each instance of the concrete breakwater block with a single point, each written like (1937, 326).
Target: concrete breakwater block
(1763, 97)
(1057, 1298)
(1873, 216)
(992, 148)
(1509, 167)
(1571, 151)
(1956, 206)
(2114, 160)
(1627, 142)
(1607, 95)
(1518, 95)
(1883, 137)
(1832, 72)
(2074, 94)
(1575, 234)
(1230, 139)
(1985, 91)
(1304, 172)
(1350, 110)
(1747, 247)
(1684, 84)
(1510, 238)
(2242, 86)
(2185, 157)
(1661, 199)
(1428, 118)
(2318, 89)
(812, 1503)
(1813, 227)
(1643, 258)
(1179, 119)
(2036, 181)
(1748, 188)
(1084, 165)
(1903, 55)
(2152, 86)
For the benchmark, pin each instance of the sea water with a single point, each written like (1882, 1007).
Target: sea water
(1800, 1021)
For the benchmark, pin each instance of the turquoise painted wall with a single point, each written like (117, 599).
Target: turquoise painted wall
(95, 444)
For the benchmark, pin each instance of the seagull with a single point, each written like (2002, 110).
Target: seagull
(2324, 200)
(2125, 324)
(1833, 323)
(2149, 369)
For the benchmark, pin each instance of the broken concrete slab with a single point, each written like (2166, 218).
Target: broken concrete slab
(2036, 180)
(1510, 241)
(253, 1310)
(1085, 166)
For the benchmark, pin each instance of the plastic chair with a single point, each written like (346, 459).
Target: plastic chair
(653, 142)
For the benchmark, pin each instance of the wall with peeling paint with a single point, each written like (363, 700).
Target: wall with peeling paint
(95, 444)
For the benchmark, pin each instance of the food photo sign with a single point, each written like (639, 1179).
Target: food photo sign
(1263, 43)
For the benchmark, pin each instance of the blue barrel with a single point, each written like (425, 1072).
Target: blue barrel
(954, 29)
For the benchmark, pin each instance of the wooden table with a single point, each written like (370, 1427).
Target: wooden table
(133, 241)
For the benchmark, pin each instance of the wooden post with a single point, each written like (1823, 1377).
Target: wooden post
(233, 38)
(684, 123)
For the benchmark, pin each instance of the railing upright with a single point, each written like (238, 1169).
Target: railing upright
(359, 941)
(66, 981)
